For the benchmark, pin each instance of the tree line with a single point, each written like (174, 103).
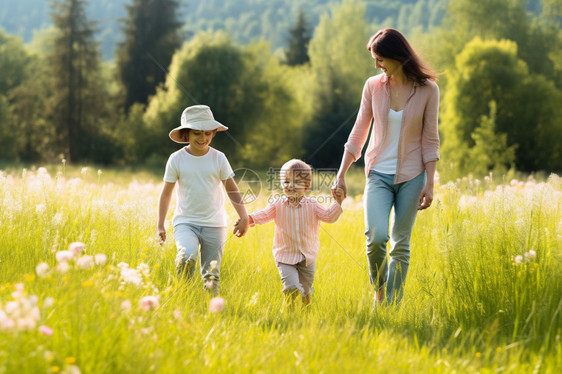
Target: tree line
(501, 85)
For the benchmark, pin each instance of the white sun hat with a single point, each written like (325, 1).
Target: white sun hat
(196, 117)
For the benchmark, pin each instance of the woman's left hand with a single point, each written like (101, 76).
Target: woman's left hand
(426, 197)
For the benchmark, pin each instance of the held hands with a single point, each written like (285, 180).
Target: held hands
(339, 190)
(241, 226)
(338, 194)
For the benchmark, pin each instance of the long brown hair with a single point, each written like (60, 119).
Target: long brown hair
(390, 43)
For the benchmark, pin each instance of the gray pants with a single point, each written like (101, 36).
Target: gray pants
(297, 277)
(211, 240)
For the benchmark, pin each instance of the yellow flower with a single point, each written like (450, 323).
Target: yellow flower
(55, 369)
(88, 283)
(29, 277)
(478, 354)
(498, 349)
(70, 360)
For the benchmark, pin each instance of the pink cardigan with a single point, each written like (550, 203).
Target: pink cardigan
(419, 136)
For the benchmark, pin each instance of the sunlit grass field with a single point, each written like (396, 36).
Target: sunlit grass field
(483, 294)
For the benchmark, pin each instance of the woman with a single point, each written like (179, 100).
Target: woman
(403, 105)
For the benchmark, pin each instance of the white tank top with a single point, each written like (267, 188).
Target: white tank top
(388, 159)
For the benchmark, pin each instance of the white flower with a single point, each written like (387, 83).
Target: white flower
(84, 170)
(85, 262)
(49, 302)
(42, 269)
(63, 267)
(64, 256)
(76, 248)
(518, 259)
(129, 275)
(40, 209)
(530, 255)
(100, 259)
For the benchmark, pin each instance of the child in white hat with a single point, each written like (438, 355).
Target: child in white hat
(200, 217)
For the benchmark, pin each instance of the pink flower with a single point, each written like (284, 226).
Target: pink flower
(64, 256)
(148, 303)
(518, 259)
(216, 305)
(42, 269)
(76, 248)
(45, 330)
(85, 262)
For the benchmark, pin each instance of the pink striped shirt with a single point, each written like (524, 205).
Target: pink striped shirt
(296, 227)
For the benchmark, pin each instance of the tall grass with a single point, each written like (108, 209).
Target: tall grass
(470, 304)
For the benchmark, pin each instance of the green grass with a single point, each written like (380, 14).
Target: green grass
(469, 306)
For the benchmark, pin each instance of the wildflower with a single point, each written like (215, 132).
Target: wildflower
(530, 255)
(42, 269)
(148, 303)
(40, 209)
(85, 262)
(100, 259)
(478, 354)
(126, 306)
(518, 259)
(216, 305)
(70, 360)
(84, 170)
(99, 172)
(64, 256)
(63, 267)
(76, 248)
(45, 330)
(129, 275)
(49, 302)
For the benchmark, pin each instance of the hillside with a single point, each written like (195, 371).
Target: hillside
(245, 20)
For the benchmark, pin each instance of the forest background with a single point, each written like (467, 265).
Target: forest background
(103, 82)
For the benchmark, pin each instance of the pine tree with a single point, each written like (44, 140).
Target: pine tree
(299, 37)
(76, 99)
(151, 38)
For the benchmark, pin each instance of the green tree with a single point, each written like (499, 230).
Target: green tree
(76, 104)
(340, 65)
(488, 71)
(151, 38)
(14, 61)
(491, 151)
(237, 84)
(299, 37)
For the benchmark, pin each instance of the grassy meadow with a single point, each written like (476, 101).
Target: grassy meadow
(483, 294)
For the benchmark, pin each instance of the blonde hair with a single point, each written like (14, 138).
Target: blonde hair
(301, 168)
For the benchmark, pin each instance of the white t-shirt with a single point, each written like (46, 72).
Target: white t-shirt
(388, 160)
(200, 196)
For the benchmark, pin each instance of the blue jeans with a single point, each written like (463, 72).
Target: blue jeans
(381, 195)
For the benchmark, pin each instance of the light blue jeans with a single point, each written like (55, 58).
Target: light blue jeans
(381, 195)
(211, 239)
